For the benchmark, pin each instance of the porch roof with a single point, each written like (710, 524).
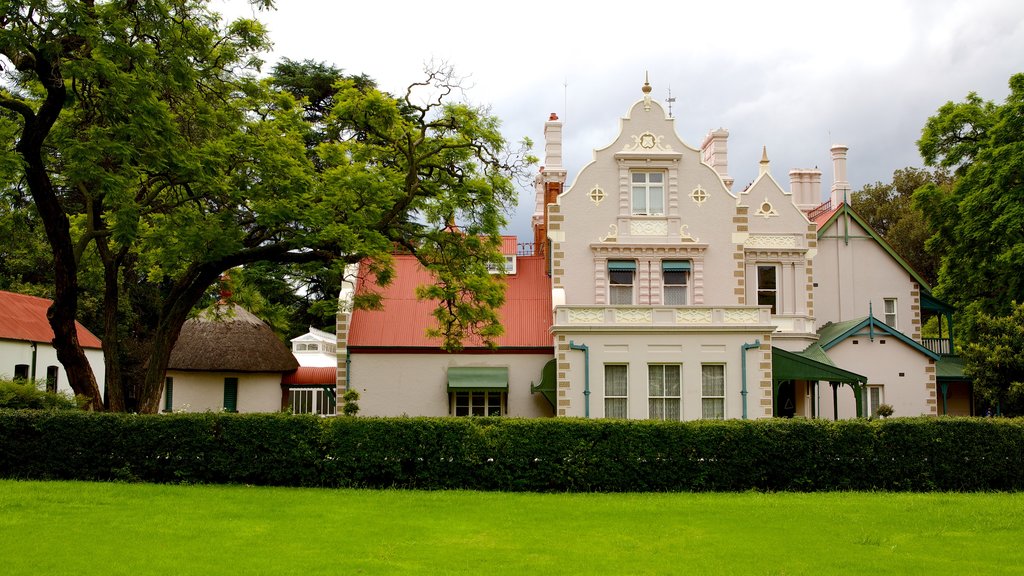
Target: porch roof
(812, 364)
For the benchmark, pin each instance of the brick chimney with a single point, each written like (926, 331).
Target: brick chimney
(715, 153)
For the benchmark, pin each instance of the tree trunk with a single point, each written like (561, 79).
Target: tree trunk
(111, 342)
(62, 313)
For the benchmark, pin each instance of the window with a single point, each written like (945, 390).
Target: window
(889, 304)
(231, 394)
(478, 403)
(767, 287)
(663, 384)
(21, 371)
(648, 193)
(616, 390)
(510, 265)
(875, 399)
(675, 279)
(52, 372)
(300, 347)
(620, 281)
(312, 348)
(318, 400)
(712, 390)
(169, 394)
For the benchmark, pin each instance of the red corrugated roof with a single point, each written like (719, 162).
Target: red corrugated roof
(403, 322)
(24, 318)
(821, 218)
(509, 245)
(311, 376)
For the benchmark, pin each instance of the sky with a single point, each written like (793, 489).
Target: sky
(792, 76)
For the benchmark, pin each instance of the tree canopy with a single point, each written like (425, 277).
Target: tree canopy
(155, 160)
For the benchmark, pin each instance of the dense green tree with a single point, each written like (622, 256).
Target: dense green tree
(978, 226)
(152, 152)
(978, 222)
(993, 358)
(889, 209)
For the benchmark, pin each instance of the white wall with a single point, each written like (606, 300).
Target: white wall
(204, 391)
(14, 352)
(907, 375)
(417, 384)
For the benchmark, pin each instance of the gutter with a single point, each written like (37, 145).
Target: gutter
(586, 375)
(743, 372)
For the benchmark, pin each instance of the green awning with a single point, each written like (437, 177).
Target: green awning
(809, 365)
(950, 369)
(471, 378)
(675, 266)
(622, 265)
(548, 383)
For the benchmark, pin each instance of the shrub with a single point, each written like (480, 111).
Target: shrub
(23, 394)
(516, 455)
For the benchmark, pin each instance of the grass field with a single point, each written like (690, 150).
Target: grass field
(86, 528)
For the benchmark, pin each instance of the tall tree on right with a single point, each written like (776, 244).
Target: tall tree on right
(978, 226)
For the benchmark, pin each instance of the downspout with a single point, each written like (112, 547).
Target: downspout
(743, 372)
(586, 375)
(348, 370)
(33, 374)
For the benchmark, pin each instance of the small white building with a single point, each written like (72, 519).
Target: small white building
(26, 349)
(317, 348)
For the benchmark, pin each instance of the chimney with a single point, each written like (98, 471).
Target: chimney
(715, 154)
(840, 185)
(805, 187)
(549, 182)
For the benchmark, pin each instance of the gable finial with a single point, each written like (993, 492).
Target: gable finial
(764, 161)
(647, 92)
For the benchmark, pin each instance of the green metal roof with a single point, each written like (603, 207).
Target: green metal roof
(950, 368)
(832, 334)
(486, 378)
(811, 364)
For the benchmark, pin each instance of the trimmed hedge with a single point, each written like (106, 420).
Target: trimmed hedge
(902, 454)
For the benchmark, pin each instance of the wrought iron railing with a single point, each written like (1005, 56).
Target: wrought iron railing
(941, 346)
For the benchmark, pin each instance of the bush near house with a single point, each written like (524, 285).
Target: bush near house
(900, 454)
(24, 394)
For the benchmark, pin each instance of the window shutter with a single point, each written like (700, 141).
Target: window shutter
(231, 394)
(169, 394)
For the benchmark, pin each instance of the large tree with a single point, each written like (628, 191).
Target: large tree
(150, 149)
(889, 209)
(978, 226)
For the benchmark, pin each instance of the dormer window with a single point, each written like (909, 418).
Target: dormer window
(648, 193)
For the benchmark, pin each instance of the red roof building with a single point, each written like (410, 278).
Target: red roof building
(24, 318)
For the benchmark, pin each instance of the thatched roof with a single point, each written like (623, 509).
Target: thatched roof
(230, 339)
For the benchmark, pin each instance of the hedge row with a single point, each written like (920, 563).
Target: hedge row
(908, 454)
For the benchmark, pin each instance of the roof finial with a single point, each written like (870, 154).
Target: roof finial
(647, 93)
(764, 160)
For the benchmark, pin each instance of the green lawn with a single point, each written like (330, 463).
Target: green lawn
(87, 528)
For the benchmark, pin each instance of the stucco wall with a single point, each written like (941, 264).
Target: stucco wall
(908, 376)
(417, 384)
(690, 349)
(204, 391)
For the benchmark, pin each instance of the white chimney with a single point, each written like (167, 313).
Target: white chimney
(805, 186)
(840, 185)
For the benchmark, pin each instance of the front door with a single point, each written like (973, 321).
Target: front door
(785, 402)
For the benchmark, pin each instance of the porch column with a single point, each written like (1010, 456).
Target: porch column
(835, 400)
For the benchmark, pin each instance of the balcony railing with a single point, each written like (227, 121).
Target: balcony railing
(941, 346)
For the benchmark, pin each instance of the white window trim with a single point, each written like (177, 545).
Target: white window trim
(886, 313)
(485, 395)
(615, 397)
(316, 397)
(881, 397)
(758, 290)
(647, 192)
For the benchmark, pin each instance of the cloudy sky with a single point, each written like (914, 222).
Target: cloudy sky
(795, 76)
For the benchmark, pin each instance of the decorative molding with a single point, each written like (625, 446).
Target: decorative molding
(609, 250)
(766, 209)
(648, 228)
(632, 315)
(742, 316)
(596, 195)
(699, 195)
(777, 241)
(647, 142)
(684, 236)
(586, 315)
(693, 316)
(613, 233)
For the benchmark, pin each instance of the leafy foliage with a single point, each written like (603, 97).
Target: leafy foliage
(21, 394)
(994, 359)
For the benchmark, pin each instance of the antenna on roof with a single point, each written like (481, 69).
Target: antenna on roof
(670, 101)
(565, 99)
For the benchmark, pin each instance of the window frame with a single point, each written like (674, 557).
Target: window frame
(880, 399)
(231, 394)
(886, 313)
(52, 378)
(621, 267)
(312, 400)
(645, 187)
(684, 267)
(665, 398)
(705, 396)
(488, 399)
(169, 394)
(773, 292)
(617, 398)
